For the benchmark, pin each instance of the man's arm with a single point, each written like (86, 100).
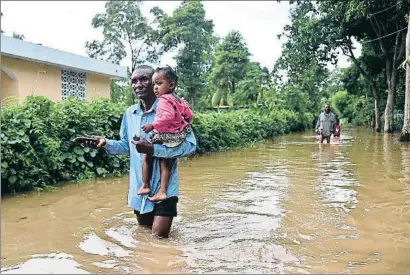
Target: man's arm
(119, 147)
(317, 124)
(187, 148)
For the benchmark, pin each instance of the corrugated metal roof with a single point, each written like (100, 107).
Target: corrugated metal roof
(25, 50)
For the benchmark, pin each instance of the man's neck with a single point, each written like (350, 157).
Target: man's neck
(147, 104)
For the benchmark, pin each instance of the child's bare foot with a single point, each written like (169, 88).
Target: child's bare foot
(143, 190)
(158, 197)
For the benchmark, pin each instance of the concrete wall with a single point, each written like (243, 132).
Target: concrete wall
(45, 80)
(9, 87)
(97, 85)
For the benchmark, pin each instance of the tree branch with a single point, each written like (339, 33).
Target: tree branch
(375, 28)
(379, 34)
(139, 50)
(360, 68)
(132, 50)
(396, 45)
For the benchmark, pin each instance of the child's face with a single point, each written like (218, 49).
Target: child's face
(161, 84)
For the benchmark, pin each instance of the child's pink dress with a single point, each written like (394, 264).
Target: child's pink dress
(172, 121)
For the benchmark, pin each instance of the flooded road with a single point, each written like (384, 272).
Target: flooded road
(285, 206)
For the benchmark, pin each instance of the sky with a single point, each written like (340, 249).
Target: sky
(66, 25)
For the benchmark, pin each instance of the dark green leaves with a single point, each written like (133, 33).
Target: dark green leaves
(37, 148)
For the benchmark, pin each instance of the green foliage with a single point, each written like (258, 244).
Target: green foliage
(221, 131)
(250, 90)
(121, 92)
(37, 142)
(124, 28)
(321, 30)
(300, 72)
(189, 31)
(38, 149)
(231, 60)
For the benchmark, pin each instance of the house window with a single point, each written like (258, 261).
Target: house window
(73, 84)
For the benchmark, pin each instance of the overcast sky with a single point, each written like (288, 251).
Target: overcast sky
(66, 25)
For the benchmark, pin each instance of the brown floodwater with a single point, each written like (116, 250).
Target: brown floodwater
(284, 206)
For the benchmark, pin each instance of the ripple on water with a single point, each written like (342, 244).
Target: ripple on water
(93, 244)
(54, 263)
(336, 185)
(237, 234)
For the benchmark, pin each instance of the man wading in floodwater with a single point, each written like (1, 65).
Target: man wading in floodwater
(326, 124)
(158, 215)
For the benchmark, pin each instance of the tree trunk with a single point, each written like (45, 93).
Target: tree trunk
(377, 119)
(388, 112)
(372, 84)
(405, 132)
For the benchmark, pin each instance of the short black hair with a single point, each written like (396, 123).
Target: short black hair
(169, 73)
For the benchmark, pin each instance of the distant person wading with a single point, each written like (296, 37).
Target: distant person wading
(326, 124)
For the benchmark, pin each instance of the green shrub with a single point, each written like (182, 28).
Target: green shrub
(37, 136)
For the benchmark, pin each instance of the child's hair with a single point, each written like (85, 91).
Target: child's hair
(169, 74)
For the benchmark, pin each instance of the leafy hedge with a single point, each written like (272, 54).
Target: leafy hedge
(37, 148)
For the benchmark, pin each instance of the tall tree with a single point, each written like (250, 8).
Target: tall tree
(375, 23)
(231, 60)
(191, 33)
(251, 89)
(405, 132)
(301, 71)
(124, 28)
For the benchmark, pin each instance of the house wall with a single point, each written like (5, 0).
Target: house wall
(45, 80)
(34, 78)
(9, 87)
(97, 85)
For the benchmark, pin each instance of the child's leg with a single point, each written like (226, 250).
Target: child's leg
(166, 165)
(146, 175)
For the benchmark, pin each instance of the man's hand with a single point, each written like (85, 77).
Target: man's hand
(95, 142)
(143, 146)
(147, 128)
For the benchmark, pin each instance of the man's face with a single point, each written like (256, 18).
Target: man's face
(327, 108)
(142, 84)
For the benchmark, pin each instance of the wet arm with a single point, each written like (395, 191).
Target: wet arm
(187, 148)
(317, 124)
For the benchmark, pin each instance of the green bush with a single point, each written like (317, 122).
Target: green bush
(37, 136)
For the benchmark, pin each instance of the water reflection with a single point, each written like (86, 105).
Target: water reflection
(335, 180)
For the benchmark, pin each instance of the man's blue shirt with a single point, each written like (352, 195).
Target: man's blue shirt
(132, 121)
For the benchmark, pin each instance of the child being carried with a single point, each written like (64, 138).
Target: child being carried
(172, 123)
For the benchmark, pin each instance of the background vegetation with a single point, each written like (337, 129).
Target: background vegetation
(38, 149)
